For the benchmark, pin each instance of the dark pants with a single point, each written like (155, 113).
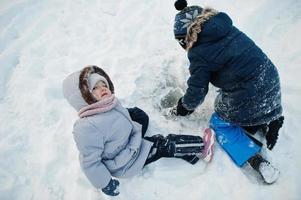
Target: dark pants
(163, 150)
(268, 130)
(140, 117)
(186, 147)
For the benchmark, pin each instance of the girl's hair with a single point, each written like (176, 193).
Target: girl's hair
(196, 26)
(83, 82)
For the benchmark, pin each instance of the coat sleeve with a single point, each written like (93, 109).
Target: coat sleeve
(197, 83)
(90, 144)
(127, 153)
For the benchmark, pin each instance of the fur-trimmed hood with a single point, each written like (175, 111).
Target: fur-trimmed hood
(76, 88)
(209, 26)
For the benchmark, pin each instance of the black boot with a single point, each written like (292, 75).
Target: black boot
(188, 147)
(191, 159)
(273, 132)
(266, 170)
(181, 146)
(160, 148)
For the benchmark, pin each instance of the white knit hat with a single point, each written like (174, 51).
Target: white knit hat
(94, 79)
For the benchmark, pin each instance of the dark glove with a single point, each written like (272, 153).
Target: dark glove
(180, 109)
(272, 134)
(112, 189)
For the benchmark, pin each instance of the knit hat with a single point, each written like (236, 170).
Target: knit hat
(185, 17)
(94, 79)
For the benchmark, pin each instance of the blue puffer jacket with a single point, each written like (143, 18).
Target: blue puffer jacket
(249, 82)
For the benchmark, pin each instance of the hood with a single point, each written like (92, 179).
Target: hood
(76, 86)
(72, 92)
(215, 28)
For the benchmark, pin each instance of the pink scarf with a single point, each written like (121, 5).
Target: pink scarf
(101, 106)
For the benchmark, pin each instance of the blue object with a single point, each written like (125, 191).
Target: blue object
(233, 140)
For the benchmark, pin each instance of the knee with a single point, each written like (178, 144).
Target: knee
(142, 115)
(137, 113)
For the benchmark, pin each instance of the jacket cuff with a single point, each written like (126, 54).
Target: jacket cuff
(108, 181)
(189, 108)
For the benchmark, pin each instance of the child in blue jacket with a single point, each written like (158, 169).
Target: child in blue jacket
(249, 98)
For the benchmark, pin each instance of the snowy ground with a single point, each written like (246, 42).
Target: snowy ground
(43, 41)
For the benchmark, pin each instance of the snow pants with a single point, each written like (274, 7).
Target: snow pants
(140, 117)
(186, 147)
(234, 140)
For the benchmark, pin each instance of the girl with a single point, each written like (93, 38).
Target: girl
(110, 141)
(249, 98)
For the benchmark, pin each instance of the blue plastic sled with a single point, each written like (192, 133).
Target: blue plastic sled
(233, 140)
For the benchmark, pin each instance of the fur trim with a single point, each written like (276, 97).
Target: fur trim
(196, 26)
(83, 82)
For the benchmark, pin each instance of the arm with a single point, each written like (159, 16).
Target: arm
(197, 85)
(197, 89)
(90, 144)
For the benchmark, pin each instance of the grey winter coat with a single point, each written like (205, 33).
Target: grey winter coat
(109, 143)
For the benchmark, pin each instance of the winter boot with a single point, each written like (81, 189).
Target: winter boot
(159, 149)
(191, 159)
(209, 140)
(266, 170)
(272, 133)
(181, 146)
(188, 147)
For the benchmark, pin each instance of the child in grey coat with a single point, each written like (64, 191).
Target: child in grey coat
(110, 138)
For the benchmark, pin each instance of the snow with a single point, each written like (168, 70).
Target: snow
(41, 42)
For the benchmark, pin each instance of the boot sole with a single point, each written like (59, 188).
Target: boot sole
(208, 150)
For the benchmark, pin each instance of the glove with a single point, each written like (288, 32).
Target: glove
(272, 134)
(112, 189)
(180, 109)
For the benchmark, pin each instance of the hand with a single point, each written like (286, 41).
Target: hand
(112, 189)
(180, 109)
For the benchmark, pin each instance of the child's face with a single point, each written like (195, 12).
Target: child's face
(100, 91)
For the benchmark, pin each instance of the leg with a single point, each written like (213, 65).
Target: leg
(159, 149)
(273, 132)
(269, 173)
(186, 144)
(186, 147)
(255, 140)
(233, 140)
(253, 129)
(140, 117)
